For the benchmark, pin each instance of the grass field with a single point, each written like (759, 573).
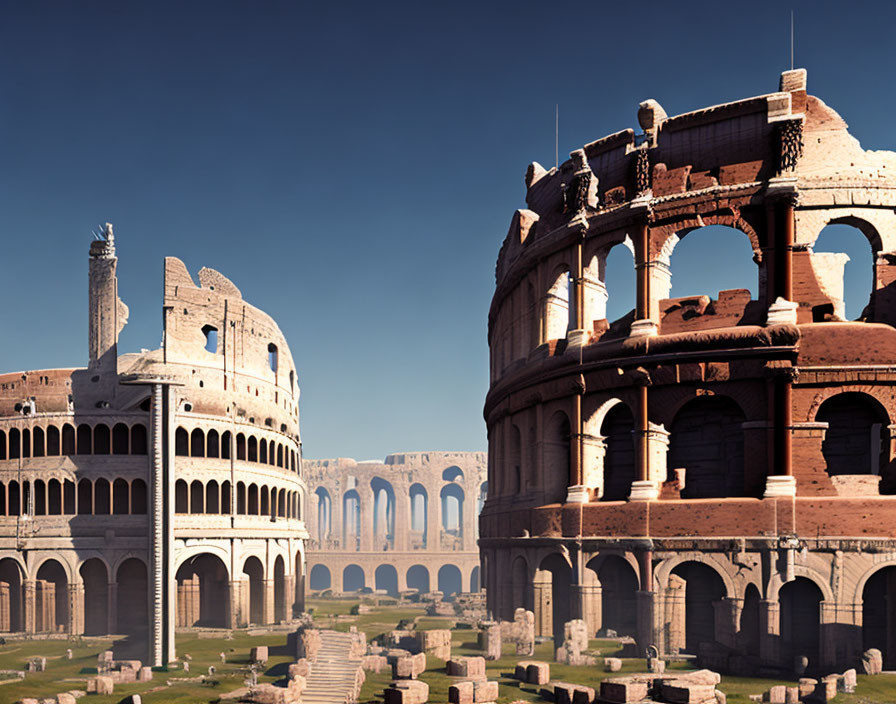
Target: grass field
(62, 674)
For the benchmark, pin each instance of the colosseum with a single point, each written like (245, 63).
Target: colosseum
(409, 523)
(155, 490)
(711, 474)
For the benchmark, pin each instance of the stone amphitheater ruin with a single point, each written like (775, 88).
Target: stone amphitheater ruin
(408, 523)
(713, 476)
(160, 489)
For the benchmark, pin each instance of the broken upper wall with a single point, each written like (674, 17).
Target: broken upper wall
(788, 134)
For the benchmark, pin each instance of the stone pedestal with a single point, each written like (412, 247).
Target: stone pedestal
(779, 486)
(644, 491)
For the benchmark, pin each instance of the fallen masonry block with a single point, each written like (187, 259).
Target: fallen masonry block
(408, 666)
(684, 692)
(144, 674)
(65, 698)
(623, 690)
(100, 685)
(872, 661)
(374, 663)
(484, 691)
(568, 693)
(406, 692)
(807, 686)
(612, 664)
(473, 666)
(259, 654)
(538, 673)
(436, 642)
(461, 692)
(36, 664)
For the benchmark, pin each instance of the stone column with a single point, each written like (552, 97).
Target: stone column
(594, 451)
(113, 607)
(643, 488)
(827, 641)
(648, 625)
(76, 608)
(402, 521)
(433, 517)
(366, 495)
(268, 604)
(727, 616)
(543, 604)
(29, 604)
(239, 616)
(643, 325)
(769, 632)
(657, 450)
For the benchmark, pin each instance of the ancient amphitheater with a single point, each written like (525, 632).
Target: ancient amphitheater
(709, 474)
(154, 490)
(409, 523)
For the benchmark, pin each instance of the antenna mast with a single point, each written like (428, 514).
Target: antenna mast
(557, 136)
(791, 40)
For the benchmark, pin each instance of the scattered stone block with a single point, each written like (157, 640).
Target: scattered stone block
(612, 664)
(258, 654)
(144, 674)
(65, 698)
(36, 664)
(776, 694)
(792, 695)
(436, 642)
(848, 681)
(473, 666)
(538, 672)
(304, 643)
(807, 686)
(622, 690)
(567, 693)
(524, 632)
(102, 685)
(461, 692)
(680, 691)
(408, 666)
(374, 663)
(484, 691)
(872, 661)
(407, 692)
(68, 654)
(490, 640)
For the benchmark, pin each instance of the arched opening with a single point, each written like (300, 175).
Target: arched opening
(513, 470)
(14, 499)
(68, 439)
(519, 582)
(85, 497)
(707, 441)
(11, 617)
(240, 498)
(51, 598)
(120, 497)
(319, 578)
(96, 597)
(101, 498)
(618, 276)
(383, 514)
(85, 440)
(749, 627)
(54, 498)
(212, 444)
(351, 520)
(453, 474)
(225, 498)
(618, 430)
(279, 590)
(839, 270)
(212, 498)
(418, 578)
(879, 614)
(253, 449)
(857, 437)
(263, 451)
(254, 571)
(181, 443)
(120, 439)
(273, 360)
(324, 514)
(197, 443)
(138, 497)
(40, 498)
(619, 588)
(53, 445)
(253, 500)
(800, 602)
(68, 497)
(452, 498)
(138, 439)
(203, 592)
(352, 579)
(39, 443)
(133, 616)
(552, 595)
(240, 446)
(693, 278)
(264, 505)
(474, 580)
(450, 581)
(385, 578)
(197, 497)
(181, 497)
(703, 587)
(555, 472)
(298, 605)
(102, 441)
(211, 338)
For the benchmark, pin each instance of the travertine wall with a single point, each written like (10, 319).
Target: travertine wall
(711, 474)
(407, 523)
(157, 489)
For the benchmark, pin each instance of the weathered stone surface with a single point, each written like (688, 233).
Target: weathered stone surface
(490, 640)
(103, 685)
(65, 698)
(435, 642)
(144, 674)
(849, 681)
(612, 664)
(569, 693)
(305, 642)
(461, 692)
(524, 632)
(473, 666)
(807, 686)
(374, 663)
(623, 690)
(36, 664)
(408, 666)
(484, 691)
(407, 692)
(538, 672)
(681, 691)
(259, 654)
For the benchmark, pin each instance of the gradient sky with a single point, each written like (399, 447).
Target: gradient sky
(353, 168)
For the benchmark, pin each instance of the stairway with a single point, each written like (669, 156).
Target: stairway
(333, 677)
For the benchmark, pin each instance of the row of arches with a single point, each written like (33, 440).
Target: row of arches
(251, 500)
(198, 443)
(706, 438)
(53, 594)
(449, 579)
(543, 307)
(698, 610)
(86, 439)
(451, 515)
(56, 497)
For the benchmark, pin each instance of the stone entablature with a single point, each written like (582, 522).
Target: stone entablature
(414, 511)
(704, 471)
(155, 490)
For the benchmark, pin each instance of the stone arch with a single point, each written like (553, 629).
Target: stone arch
(707, 441)
(558, 306)
(619, 471)
(452, 510)
(353, 578)
(450, 581)
(279, 590)
(133, 599)
(856, 422)
(418, 578)
(749, 624)
(51, 597)
(800, 614)
(385, 577)
(298, 605)
(121, 439)
(203, 588)
(878, 599)
(703, 588)
(474, 580)
(181, 497)
(552, 594)
(383, 511)
(619, 587)
(253, 569)
(197, 497)
(11, 583)
(94, 575)
(319, 578)
(351, 520)
(521, 589)
(556, 465)
(419, 515)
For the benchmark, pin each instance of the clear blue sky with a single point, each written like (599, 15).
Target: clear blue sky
(354, 167)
